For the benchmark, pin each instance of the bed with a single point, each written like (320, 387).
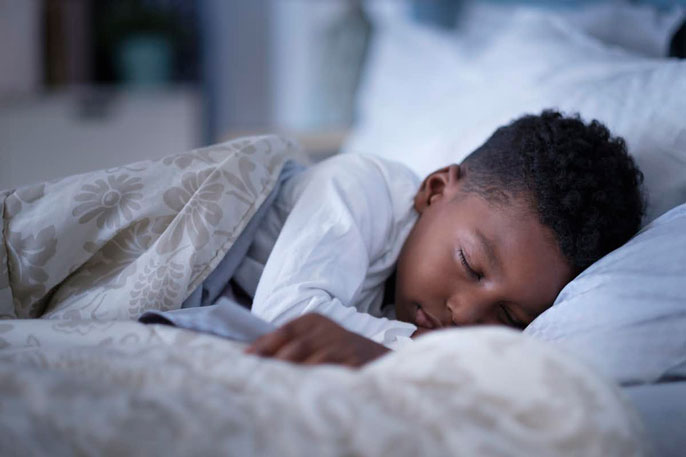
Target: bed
(84, 256)
(597, 374)
(625, 314)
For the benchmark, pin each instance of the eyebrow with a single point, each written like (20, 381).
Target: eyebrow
(489, 250)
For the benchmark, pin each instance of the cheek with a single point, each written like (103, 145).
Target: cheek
(427, 275)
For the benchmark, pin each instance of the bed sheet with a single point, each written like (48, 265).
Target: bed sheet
(662, 407)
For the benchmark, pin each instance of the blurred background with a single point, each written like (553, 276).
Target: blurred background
(88, 84)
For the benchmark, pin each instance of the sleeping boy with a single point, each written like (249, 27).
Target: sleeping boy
(356, 256)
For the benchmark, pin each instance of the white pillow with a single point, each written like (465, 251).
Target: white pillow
(451, 102)
(399, 116)
(626, 314)
(642, 29)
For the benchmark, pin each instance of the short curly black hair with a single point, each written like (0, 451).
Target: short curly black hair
(578, 177)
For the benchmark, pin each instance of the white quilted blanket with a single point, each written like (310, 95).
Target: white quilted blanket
(121, 388)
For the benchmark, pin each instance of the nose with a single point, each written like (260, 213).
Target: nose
(471, 310)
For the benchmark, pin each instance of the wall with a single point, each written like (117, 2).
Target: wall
(235, 42)
(20, 43)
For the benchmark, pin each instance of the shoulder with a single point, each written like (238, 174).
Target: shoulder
(373, 191)
(363, 164)
(365, 173)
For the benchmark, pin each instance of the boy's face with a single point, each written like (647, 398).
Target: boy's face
(468, 261)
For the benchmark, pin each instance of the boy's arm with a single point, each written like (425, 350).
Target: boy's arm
(314, 339)
(339, 223)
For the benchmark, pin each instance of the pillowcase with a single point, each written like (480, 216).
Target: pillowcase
(639, 29)
(626, 314)
(644, 29)
(452, 101)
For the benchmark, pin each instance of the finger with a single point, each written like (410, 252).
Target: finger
(323, 356)
(295, 351)
(270, 343)
(308, 326)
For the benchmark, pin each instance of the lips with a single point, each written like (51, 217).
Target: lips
(426, 320)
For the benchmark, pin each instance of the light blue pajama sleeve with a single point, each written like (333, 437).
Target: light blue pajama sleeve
(225, 318)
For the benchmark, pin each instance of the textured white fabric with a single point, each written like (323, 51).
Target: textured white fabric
(427, 100)
(122, 388)
(626, 314)
(335, 232)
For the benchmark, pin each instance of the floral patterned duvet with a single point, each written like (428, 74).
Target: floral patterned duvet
(111, 244)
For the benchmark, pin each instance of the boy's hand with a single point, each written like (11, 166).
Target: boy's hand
(313, 339)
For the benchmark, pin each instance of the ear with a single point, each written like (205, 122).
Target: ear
(437, 186)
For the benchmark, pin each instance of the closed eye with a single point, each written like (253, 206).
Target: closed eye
(468, 267)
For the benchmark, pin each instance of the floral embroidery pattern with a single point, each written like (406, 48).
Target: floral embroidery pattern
(242, 187)
(28, 194)
(115, 262)
(109, 200)
(157, 287)
(136, 237)
(28, 256)
(186, 159)
(196, 203)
